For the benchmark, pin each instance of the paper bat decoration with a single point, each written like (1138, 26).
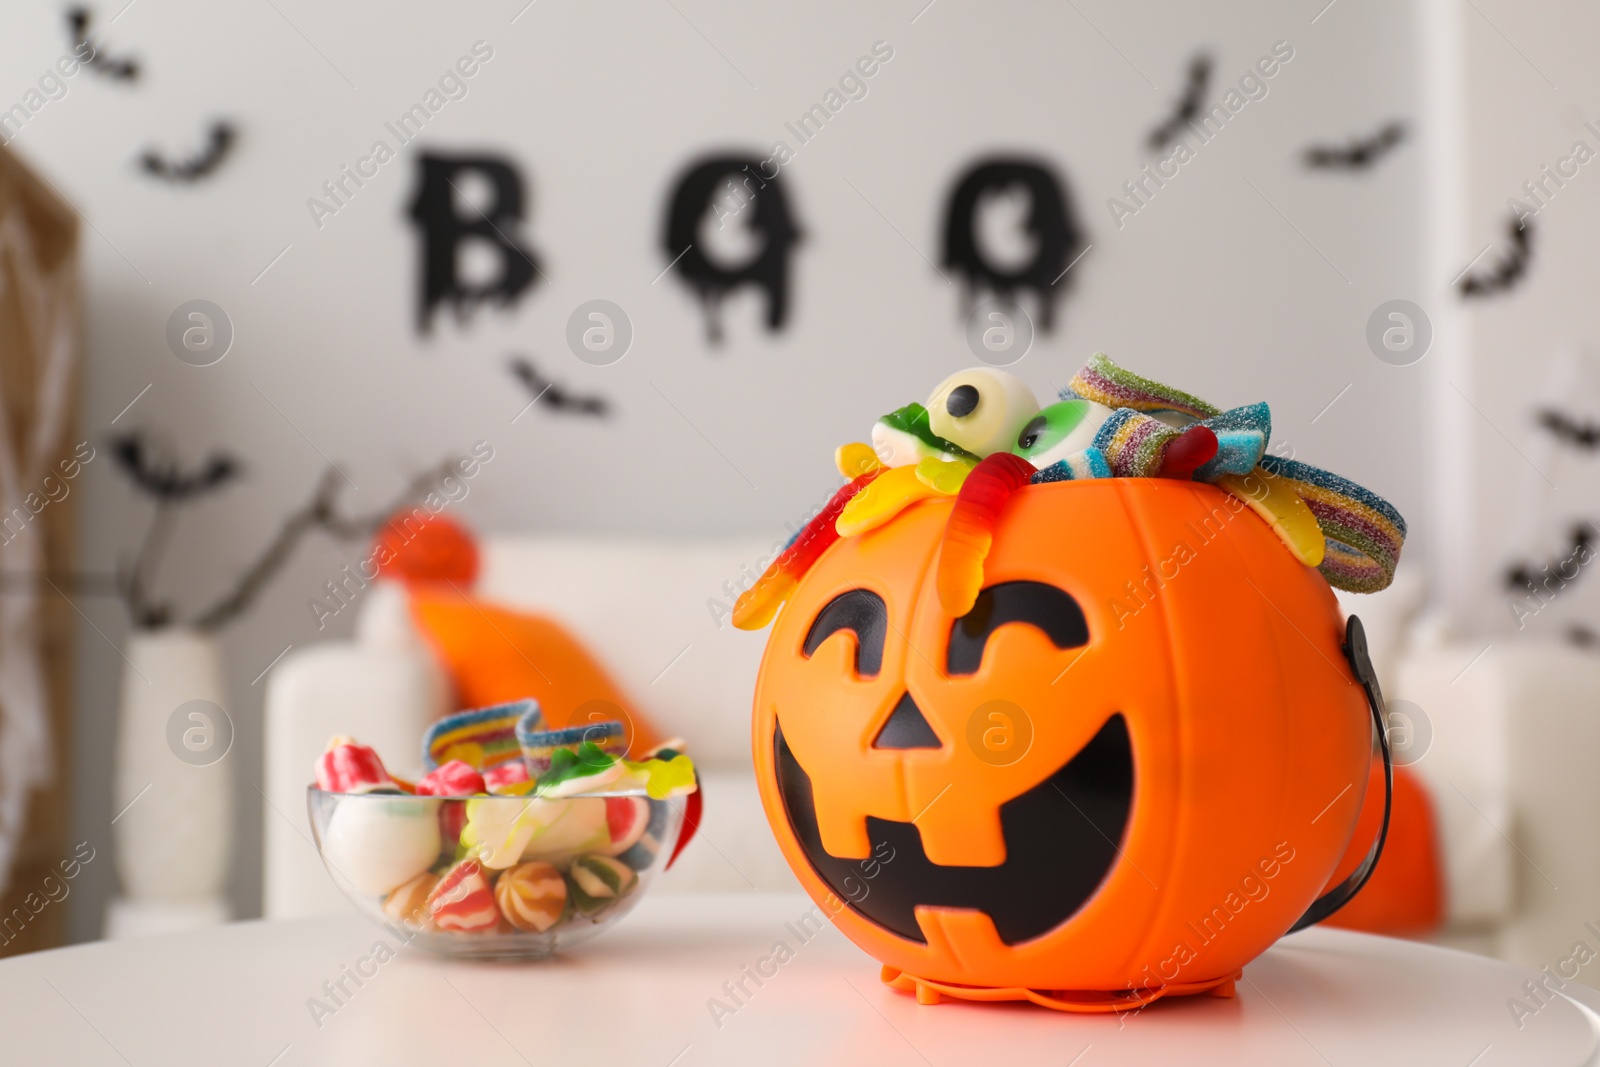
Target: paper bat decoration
(542, 389)
(1521, 576)
(78, 33)
(1360, 153)
(1509, 270)
(219, 143)
(1188, 106)
(1569, 430)
(161, 477)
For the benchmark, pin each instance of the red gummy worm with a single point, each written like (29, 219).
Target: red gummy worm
(757, 605)
(1188, 452)
(970, 529)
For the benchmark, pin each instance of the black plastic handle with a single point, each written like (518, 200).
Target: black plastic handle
(1355, 650)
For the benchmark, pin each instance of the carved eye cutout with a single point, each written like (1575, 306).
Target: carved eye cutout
(1052, 611)
(861, 611)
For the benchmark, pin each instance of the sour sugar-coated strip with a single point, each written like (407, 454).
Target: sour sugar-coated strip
(970, 529)
(757, 605)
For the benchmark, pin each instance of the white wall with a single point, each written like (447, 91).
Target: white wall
(1526, 89)
(1209, 287)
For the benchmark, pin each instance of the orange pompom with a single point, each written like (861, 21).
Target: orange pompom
(417, 547)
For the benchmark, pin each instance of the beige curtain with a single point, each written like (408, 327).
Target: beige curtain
(39, 340)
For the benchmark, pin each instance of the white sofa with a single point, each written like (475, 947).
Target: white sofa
(644, 609)
(1510, 767)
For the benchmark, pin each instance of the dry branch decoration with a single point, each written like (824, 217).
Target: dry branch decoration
(159, 477)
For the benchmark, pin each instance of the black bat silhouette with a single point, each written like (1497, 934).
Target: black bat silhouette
(1522, 576)
(1509, 270)
(78, 35)
(1360, 153)
(1188, 107)
(1570, 430)
(160, 477)
(558, 398)
(219, 143)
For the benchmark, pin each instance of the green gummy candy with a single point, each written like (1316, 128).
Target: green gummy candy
(913, 419)
(567, 764)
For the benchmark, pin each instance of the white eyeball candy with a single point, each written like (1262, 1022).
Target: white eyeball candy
(981, 409)
(379, 842)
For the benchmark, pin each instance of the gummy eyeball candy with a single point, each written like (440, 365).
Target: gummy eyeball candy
(1060, 431)
(981, 409)
(379, 842)
(532, 896)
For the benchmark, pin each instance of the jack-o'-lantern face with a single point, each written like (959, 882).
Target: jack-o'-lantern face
(1146, 712)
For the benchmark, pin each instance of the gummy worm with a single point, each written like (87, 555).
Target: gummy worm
(970, 529)
(757, 605)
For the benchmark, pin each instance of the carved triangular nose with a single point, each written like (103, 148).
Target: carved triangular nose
(906, 728)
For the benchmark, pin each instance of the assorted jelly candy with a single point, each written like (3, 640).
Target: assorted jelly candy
(1105, 383)
(1189, 451)
(944, 476)
(540, 747)
(627, 819)
(1364, 532)
(598, 882)
(1274, 500)
(408, 902)
(463, 899)
(855, 459)
(503, 833)
(452, 820)
(969, 531)
(532, 896)
(981, 409)
(888, 495)
(462, 857)
(581, 768)
(1090, 463)
(589, 769)
(905, 437)
(497, 831)
(641, 852)
(482, 737)
(757, 605)
(348, 767)
(666, 778)
(455, 778)
(508, 779)
(378, 843)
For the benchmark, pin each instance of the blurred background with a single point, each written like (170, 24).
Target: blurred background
(392, 226)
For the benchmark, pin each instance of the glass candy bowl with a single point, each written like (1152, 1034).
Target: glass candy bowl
(494, 877)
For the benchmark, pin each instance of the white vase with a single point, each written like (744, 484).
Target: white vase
(173, 785)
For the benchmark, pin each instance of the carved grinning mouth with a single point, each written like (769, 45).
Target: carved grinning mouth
(1061, 837)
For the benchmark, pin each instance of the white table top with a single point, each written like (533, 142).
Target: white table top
(238, 995)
